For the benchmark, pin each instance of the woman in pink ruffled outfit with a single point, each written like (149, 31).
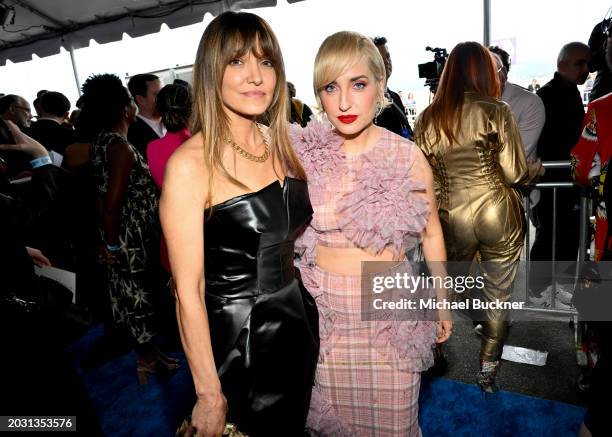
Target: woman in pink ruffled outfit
(373, 200)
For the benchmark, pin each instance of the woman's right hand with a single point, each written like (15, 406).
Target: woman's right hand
(208, 415)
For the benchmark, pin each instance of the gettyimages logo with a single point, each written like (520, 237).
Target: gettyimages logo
(419, 291)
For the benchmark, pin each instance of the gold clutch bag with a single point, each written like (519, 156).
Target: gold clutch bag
(231, 430)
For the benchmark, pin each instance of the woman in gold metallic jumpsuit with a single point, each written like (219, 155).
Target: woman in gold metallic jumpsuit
(475, 150)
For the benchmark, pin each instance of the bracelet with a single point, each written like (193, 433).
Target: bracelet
(113, 247)
(39, 162)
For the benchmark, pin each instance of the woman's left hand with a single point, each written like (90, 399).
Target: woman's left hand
(444, 329)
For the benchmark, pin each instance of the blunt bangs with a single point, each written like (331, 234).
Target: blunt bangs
(248, 34)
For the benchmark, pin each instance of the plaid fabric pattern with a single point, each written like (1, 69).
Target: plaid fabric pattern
(359, 391)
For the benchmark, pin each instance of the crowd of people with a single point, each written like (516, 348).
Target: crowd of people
(228, 217)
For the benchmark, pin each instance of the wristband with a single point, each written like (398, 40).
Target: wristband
(39, 162)
(113, 248)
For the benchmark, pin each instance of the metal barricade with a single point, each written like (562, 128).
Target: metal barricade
(584, 240)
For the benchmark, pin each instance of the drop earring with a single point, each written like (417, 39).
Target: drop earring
(379, 108)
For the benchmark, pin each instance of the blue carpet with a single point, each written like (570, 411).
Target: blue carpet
(451, 408)
(447, 408)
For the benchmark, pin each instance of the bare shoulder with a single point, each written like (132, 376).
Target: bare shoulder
(186, 167)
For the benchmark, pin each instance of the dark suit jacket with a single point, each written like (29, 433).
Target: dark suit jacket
(393, 117)
(140, 135)
(53, 136)
(563, 126)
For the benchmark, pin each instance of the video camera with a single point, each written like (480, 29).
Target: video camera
(431, 71)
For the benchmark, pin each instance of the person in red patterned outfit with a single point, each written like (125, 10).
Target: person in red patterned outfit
(591, 155)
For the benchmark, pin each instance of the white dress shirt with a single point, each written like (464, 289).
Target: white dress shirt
(157, 126)
(529, 113)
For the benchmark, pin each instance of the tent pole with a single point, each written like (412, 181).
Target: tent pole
(75, 71)
(487, 23)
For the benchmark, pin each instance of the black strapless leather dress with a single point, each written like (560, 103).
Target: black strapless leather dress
(263, 322)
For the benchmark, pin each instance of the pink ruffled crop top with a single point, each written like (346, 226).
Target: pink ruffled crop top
(373, 201)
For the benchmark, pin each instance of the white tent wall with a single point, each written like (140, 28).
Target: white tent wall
(41, 27)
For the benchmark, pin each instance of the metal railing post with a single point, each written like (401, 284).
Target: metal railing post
(584, 226)
(553, 298)
(527, 204)
(583, 240)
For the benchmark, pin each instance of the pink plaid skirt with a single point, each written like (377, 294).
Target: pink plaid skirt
(368, 375)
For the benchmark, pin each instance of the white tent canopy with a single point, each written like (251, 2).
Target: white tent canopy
(41, 27)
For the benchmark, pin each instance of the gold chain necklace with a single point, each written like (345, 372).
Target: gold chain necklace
(250, 156)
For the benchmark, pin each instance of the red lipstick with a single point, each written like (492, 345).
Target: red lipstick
(347, 119)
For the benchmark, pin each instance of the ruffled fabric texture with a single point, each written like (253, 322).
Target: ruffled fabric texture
(323, 421)
(327, 317)
(319, 150)
(405, 344)
(386, 210)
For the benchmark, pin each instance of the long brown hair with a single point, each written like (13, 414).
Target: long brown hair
(228, 36)
(469, 68)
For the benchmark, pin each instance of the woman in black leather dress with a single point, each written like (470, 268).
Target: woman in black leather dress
(230, 213)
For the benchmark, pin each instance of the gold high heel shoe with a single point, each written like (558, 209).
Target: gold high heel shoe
(157, 367)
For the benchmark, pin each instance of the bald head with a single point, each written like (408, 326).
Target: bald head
(572, 62)
(16, 109)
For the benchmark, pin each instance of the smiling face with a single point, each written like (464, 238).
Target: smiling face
(350, 100)
(248, 85)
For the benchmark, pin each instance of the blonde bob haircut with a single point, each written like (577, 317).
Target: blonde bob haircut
(340, 52)
(229, 36)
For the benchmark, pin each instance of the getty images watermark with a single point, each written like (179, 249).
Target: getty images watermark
(419, 291)
(485, 290)
(412, 284)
